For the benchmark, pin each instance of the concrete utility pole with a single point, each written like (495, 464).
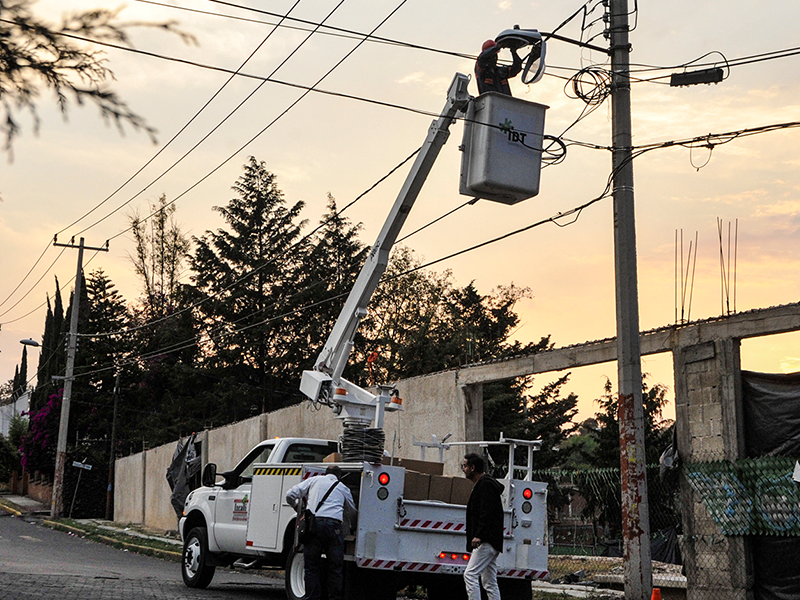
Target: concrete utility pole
(57, 505)
(635, 506)
(112, 453)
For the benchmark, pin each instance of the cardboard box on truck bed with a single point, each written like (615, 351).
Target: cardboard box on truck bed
(420, 466)
(462, 488)
(416, 486)
(440, 488)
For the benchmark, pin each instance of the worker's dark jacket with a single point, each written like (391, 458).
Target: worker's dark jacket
(485, 513)
(494, 78)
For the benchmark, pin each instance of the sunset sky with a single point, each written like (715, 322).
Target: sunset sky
(342, 146)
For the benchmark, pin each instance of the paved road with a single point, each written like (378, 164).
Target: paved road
(42, 564)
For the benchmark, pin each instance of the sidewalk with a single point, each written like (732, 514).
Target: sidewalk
(22, 505)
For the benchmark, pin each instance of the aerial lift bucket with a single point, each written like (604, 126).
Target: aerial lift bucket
(502, 148)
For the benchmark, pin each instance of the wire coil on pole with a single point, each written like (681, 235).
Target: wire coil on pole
(360, 443)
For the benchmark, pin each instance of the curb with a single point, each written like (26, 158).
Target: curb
(9, 509)
(165, 554)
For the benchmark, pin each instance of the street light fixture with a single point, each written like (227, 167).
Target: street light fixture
(30, 342)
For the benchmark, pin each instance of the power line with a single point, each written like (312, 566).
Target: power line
(10, 308)
(179, 132)
(728, 63)
(262, 266)
(334, 31)
(208, 102)
(38, 260)
(714, 139)
(233, 73)
(574, 212)
(195, 340)
(217, 126)
(45, 302)
(307, 91)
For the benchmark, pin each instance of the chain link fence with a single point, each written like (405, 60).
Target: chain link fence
(719, 529)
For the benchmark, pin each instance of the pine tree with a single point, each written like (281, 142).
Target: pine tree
(52, 356)
(604, 502)
(22, 386)
(248, 274)
(327, 274)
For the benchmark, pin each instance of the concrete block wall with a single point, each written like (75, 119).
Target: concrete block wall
(699, 400)
(158, 512)
(708, 420)
(226, 445)
(432, 405)
(129, 478)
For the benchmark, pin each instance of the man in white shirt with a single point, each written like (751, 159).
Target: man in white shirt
(330, 536)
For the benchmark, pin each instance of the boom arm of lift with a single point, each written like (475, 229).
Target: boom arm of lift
(324, 384)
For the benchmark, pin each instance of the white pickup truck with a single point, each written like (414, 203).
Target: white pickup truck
(216, 517)
(397, 541)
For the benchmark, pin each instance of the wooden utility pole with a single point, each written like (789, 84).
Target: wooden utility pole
(57, 505)
(635, 506)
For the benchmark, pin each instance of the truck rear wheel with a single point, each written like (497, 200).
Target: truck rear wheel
(368, 584)
(447, 587)
(194, 568)
(515, 589)
(295, 576)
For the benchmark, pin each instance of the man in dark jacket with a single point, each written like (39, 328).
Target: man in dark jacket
(490, 76)
(484, 529)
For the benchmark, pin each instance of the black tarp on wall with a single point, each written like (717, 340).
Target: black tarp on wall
(772, 428)
(772, 414)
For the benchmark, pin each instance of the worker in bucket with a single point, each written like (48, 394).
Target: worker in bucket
(492, 77)
(484, 529)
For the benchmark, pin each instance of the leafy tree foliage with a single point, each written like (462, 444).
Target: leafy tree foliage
(39, 444)
(330, 265)
(261, 302)
(36, 55)
(604, 453)
(9, 447)
(161, 250)
(8, 458)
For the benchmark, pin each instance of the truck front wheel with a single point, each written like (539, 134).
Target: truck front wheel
(194, 568)
(295, 576)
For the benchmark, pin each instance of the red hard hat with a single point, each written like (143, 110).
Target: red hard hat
(488, 44)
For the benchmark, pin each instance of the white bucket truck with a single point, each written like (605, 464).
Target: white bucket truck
(411, 521)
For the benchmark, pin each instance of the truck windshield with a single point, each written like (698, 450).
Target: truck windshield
(259, 456)
(303, 453)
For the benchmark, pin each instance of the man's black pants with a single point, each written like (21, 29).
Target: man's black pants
(329, 541)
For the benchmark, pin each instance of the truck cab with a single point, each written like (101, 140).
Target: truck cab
(216, 516)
